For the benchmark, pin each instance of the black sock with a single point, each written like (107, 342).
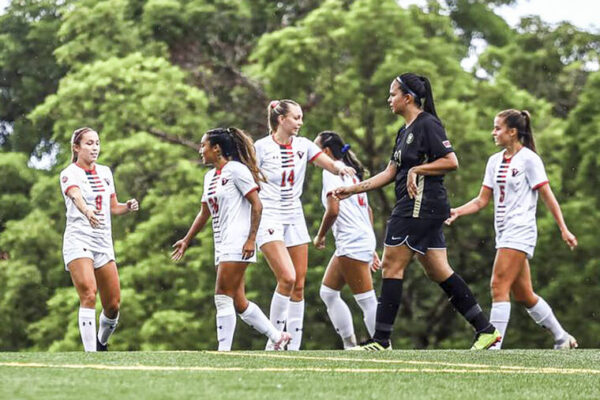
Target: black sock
(464, 302)
(387, 308)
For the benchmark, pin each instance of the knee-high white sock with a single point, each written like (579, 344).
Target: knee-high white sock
(339, 314)
(225, 321)
(107, 327)
(499, 317)
(543, 315)
(87, 328)
(367, 302)
(254, 317)
(278, 313)
(294, 324)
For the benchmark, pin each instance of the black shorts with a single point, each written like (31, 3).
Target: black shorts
(420, 234)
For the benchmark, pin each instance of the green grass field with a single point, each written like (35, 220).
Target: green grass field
(307, 375)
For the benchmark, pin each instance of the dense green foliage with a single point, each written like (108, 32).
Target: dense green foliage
(152, 75)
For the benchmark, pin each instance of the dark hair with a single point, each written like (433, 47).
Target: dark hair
(76, 139)
(419, 88)
(521, 121)
(341, 151)
(277, 108)
(236, 145)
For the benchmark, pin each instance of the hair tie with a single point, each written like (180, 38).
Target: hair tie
(345, 148)
(274, 103)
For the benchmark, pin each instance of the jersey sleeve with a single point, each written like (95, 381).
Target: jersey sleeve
(438, 142)
(535, 172)
(111, 184)
(312, 150)
(243, 180)
(68, 180)
(207, 178)
(258, 149)
(488, 178)
(393, 155)
(329, 183)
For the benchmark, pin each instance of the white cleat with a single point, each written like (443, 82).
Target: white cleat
(567, 343)
(282, 342)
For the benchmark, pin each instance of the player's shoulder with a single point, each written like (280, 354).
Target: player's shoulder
(69, 169)
(426, 119)
(103, 169)
(236, 166)
(529, 154)
(496, 157)
(263, 142)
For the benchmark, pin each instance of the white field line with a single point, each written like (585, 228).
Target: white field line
(287, 369)
(549, 370)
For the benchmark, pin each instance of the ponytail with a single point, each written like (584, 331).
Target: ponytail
(238, 146)
(419, 88)
(341, 151)
(76, 140)
(277, 108)
(521, 121)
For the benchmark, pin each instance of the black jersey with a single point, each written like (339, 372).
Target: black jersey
(424, 141)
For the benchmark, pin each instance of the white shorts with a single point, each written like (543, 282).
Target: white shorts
(524, 247)
(364, 256)
(99, 259)
(291, 234)
(232, 257)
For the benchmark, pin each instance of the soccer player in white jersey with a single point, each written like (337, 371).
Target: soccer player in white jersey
(90, 198)
(283, 237)
(351, 221)
(514, 177)
(230, 198)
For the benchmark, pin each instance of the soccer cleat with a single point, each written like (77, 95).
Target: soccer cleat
(566, 343)
(484, 341)
(100, 346)
(372, 345)
(282, 342)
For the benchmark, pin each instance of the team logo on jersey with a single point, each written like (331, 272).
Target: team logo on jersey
(271, 231)
(446, 144)
(224, 181)
(65, 179)
(300, 154)
(410, 138)
(515, 172)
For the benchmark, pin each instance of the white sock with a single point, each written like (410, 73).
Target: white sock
(294, 324)
(254, 317)
(339, 314)
(499, 317)
(87, 328)
(107, 327)
(278, 313)
(225, 321)
(542, 314)
(367, 302)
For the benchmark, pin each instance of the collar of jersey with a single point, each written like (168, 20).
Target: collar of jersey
(91, 171)
(287, 146)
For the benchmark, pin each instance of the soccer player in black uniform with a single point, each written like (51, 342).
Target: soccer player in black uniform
(422, 156)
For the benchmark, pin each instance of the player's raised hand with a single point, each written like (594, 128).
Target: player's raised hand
(453, 216)
(180, 248)
(132, 205)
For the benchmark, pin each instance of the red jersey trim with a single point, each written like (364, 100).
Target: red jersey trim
(254, 189)
(69, 188)
(315, 156)
(539, 185)
(287, 146)
(92, 171)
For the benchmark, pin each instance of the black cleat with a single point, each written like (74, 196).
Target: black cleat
(100, 346)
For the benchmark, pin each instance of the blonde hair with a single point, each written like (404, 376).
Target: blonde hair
(277, 108)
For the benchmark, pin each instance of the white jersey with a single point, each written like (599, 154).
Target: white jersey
(514, 182)
(224, 192)
(284, 167)
(97, 188)
(352, 230)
